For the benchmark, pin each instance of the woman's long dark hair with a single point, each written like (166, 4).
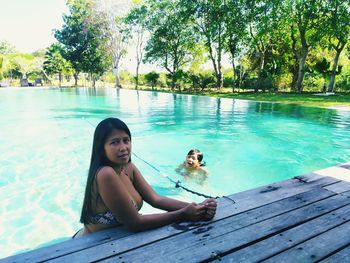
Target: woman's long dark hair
(99, 159)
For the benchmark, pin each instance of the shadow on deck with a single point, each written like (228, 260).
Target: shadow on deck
(304, 219)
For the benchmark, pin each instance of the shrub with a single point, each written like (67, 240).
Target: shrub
(152, 78)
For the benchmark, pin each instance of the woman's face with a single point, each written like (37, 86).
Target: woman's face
(118, 147)
(192, 161)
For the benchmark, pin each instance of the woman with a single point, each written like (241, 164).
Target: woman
(115, 188)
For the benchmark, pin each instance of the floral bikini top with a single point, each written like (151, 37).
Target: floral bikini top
(107, 218)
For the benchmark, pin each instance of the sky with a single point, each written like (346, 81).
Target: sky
(29, 24)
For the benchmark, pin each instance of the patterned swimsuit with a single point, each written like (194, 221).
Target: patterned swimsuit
(107, 218)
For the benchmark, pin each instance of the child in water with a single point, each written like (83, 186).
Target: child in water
(192, 167)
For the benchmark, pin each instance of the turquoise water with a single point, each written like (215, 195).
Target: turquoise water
(46, 139)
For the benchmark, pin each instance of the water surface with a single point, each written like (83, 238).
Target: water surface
(46, 139)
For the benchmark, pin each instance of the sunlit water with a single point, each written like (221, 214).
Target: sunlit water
(46, 139)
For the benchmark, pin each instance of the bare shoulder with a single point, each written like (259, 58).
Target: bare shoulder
(130, 169)
(130, 165)
(106, 174)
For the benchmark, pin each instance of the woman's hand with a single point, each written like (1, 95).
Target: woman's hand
(210, 208)
(194, 212)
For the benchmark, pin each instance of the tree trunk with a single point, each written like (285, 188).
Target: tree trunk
(233, 48)
(139, 55)
(294, 78)
(173, 81)
(43, 71)
(234, 75)
(301, 69)
(219, 80)
(217, 66)
(262, 65)
(241, 75)
(220, 76)
(137, 78)
(334, 69)
(75, 78)
(296, 57)
(117, 79)
(59, 79)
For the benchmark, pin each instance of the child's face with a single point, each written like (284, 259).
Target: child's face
(192, 161)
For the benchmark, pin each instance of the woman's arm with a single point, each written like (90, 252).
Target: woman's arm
(116, 198)
(151, 197)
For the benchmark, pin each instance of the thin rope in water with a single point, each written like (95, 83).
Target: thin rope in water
(177, 183)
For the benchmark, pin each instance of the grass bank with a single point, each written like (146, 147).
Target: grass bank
(306, 99)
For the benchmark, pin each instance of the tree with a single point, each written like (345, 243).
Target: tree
(119, 35)
(303, 15)
(83, 39)
(172, 39)
(208, 17)
(6, 47)
(25, 63)
(137, 19)
(152, 78)
(263, 18)
(336, 25)
(54, 62)
(235, 23)
(116, 32)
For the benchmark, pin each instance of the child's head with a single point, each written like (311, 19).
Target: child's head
(194, 158)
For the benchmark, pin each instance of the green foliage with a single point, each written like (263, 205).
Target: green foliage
(54, 61)
(202, 80)
(151, 78)
(82, 37)
(125, 77)
(1, 62)
(172, 40)
(6, 47)
(343, 83)
(322, 66)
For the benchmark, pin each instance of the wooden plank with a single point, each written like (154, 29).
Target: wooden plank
(309, 177)
(307, 181)
(68, 246)
(341, 256)
(345, 165)
(318, 247)
(229, 234)
(243, 219)
(244, 202)
(339, 187)
(79, 244)
(263, 195)
(290, 238)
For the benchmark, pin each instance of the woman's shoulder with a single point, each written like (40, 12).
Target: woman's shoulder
(130, 169)
(105, 173)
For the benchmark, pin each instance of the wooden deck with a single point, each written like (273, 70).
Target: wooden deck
(304, 219)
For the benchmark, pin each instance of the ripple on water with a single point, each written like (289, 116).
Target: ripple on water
(47, 144)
